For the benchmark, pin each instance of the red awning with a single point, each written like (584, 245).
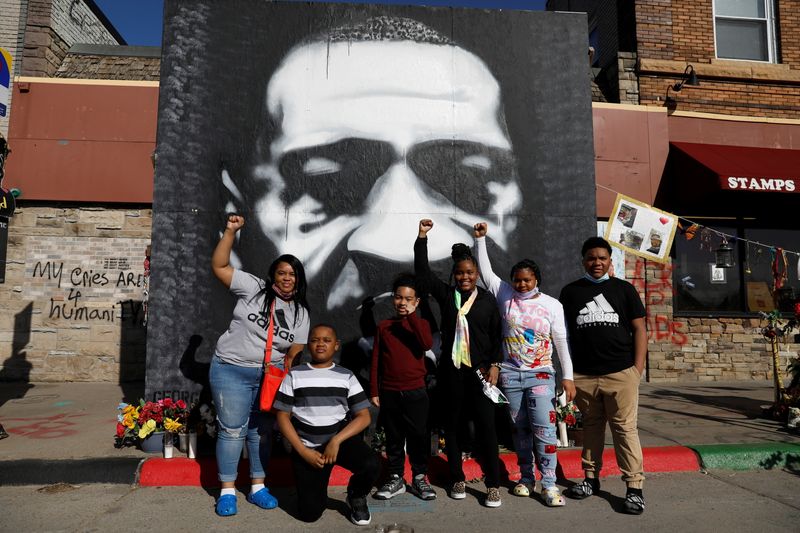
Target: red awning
(746, 168)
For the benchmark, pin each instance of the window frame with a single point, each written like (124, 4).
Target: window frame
(769, 19)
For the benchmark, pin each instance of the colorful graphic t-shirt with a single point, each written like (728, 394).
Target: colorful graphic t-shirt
(244, 342)
(531, 326)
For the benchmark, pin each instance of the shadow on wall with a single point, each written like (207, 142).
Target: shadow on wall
(17, 369)
(132, 350)
(196, 371)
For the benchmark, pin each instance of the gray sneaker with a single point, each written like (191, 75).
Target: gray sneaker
(396, 485)
(421, 488)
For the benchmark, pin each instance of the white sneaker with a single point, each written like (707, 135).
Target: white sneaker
(552, 497)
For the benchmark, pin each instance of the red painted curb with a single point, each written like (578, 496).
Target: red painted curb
(179, 471)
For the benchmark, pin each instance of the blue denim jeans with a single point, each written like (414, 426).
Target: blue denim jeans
(235, 390)
(531, 396)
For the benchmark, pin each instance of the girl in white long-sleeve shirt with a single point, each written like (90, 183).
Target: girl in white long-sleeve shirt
(533, 323)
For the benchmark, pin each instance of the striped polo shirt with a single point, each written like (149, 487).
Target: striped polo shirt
(319, 400)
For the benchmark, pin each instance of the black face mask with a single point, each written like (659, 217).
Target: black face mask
(455, 171)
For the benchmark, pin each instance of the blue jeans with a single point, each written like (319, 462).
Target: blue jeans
(235, 390)
(531, 396)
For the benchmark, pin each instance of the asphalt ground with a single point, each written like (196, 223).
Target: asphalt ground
(720, 500)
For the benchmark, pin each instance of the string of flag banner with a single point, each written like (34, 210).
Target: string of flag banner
(645, 231)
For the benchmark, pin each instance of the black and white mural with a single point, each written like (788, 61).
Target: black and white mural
(334, 128)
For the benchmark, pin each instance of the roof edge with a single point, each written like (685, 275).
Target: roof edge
(113, 50)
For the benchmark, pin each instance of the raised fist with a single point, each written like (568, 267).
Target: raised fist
(425, 225)
(234, 222)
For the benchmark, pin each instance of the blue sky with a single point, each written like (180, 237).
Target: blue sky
(139, 21)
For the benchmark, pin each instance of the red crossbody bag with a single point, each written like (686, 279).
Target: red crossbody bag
(273, 375)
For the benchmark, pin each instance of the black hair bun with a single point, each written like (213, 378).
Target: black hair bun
(460, 252)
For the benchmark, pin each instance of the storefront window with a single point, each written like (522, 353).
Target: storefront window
(699, 285)
(758, 266)
(701, 288)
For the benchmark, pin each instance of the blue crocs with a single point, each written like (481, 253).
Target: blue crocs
(263, 499)
(226, 505)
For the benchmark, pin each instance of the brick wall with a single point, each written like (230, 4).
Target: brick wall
(698, 349)
(12, 21)
(72, 301)
(628, 79)
(53, 26)
(672, 34)
(75, 23)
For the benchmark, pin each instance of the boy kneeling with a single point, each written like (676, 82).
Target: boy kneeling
(312, 406)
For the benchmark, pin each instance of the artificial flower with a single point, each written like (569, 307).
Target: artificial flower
(128, 420)
(147, 428)
(137, 421)
(172, 425)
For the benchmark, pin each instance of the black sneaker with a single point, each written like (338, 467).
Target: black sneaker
(396, 485)
(634, 502)
(582, 490)
(421, 488)
(3, 433)
(359, 512)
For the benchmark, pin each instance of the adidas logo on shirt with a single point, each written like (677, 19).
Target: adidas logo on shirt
(597, 311)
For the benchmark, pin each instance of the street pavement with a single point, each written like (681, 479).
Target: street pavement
(721, 500)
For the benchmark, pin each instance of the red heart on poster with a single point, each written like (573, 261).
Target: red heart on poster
(663, 220)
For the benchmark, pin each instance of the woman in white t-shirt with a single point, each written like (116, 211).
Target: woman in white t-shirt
(237, 367)
(533, 323)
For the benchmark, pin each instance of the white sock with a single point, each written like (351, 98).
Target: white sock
(231, 491)
(256, 487)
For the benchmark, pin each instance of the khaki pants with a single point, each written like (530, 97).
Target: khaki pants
(612, 398)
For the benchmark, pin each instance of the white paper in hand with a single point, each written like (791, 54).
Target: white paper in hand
(491, 391)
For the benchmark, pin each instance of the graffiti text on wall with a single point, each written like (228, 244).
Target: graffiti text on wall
(80, 277)
(658, 291)
(79, 286)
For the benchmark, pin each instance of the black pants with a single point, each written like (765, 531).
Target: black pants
(404, 415)
(462, 398)
(312, 482)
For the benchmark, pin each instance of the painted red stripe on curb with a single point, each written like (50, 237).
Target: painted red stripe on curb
(179, 471)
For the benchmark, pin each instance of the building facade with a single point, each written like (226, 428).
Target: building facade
(722, 151)
(72, 315)
(74, 270)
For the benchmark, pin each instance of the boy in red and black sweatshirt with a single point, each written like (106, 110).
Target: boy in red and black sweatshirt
(397, 386)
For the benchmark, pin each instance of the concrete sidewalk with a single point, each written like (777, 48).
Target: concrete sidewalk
(64, 432)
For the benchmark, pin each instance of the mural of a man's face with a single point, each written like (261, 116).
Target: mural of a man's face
(372, 136)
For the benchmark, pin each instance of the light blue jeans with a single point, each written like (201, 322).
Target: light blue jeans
(531, 396)
(235, 390)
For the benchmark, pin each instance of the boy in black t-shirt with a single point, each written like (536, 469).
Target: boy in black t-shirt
(608, 341)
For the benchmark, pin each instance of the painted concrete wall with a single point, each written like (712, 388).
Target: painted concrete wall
(334, 128)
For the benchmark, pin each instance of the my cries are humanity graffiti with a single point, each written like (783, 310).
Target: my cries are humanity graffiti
(334, 128)
(89, 281)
